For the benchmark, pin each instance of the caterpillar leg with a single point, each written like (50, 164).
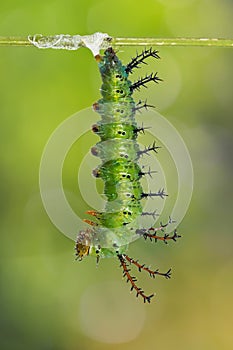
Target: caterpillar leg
(89, 222)
(126, 273)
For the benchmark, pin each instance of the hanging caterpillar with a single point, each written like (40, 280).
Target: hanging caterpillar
(114, 228)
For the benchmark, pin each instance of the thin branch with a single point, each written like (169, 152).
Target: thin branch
(14, 41)
(116, 42)
(172, 42)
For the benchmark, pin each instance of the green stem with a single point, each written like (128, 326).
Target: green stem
(172, 42)
(14, 41)
(207, 42)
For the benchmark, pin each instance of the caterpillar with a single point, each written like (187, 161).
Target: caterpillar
(113, 229)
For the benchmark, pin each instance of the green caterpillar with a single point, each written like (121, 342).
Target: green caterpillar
(119, 152)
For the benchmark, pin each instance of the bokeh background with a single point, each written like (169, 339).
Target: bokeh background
(49, 301)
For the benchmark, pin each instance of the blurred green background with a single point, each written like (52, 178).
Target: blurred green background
(49, 301)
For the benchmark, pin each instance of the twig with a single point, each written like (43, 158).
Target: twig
(116, 42)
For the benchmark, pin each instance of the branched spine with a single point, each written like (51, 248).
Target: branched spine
(165, 238)
(140, 105)
(140, 59)
(151, 233)
(153, 214)
(142, 129)
(149, 172)
(143, 81)
(150, 148)
(161, 193)
(141, 267)
(133, 280)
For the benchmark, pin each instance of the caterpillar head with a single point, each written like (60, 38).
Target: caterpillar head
(83, 242)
